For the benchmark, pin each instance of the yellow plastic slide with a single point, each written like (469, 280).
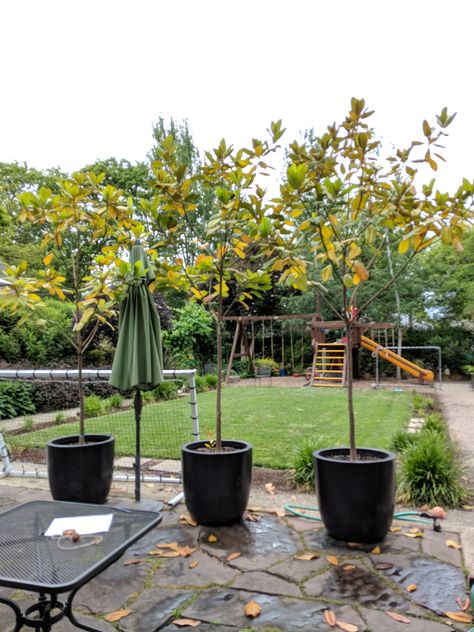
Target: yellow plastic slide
(396, 359)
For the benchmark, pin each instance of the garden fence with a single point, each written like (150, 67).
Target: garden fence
(169, 419)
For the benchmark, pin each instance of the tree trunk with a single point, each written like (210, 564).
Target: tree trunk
(82, 430)
(350, 400)
(219, 382)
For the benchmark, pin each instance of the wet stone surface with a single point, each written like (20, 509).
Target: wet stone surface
(437, 583)
(280, 613)
(153, 608)
(198, 570)
(357, 585)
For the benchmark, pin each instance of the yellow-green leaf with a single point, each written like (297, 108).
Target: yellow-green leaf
(403, 246)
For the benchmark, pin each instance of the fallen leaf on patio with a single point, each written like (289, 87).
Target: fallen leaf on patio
(307, 557)
(186, 551)
(233, 556)
(383, 566)
(395, 529)
(468, 507)
(193, 564)
(411, 587)
(270, 488)
(413, 535)
(332, 559)
(329, 617)
(118, 489)
(281, 513)
(453, 545)
(459, 617)
(212, 538)
(354, 545)
(252, 609)
(347, 568)
(464, 604)
(254, 508)
(251, 517)
(168, 545)
(347, 627)
(415, 530)
(169, 553)
(132, 562)
(183, 623)
(184, 518)
(117, 615)
(376, 550)
(398, 617)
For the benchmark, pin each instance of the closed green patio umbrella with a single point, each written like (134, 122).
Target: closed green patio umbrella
(138, 359)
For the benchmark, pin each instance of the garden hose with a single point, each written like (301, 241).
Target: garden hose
(423, 516)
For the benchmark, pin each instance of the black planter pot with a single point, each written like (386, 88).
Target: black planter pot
(356, 498)
(216, 485)
(81, 472)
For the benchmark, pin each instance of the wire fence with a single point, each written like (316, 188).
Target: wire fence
(169, 419)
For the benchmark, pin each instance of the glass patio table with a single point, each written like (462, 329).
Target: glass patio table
(50, 565)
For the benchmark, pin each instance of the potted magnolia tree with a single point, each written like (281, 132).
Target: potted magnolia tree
(225, 269)
(339, 206)
(83, 227)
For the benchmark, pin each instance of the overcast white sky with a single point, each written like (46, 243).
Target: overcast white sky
(86, 79)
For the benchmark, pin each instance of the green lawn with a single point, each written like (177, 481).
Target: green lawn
(275, 420)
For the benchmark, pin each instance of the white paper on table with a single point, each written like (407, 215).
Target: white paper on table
(83, 525)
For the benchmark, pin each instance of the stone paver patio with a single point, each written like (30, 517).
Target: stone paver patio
(358, 583)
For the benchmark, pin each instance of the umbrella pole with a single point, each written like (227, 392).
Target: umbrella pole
(137, 404)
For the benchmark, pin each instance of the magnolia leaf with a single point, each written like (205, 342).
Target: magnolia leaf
(132, 562)
(411, 588)
(252, 609)
(459, 617)
(403, 246)
(415, 530)
(186, 551)
(183, 623)
(395, 529)
(361, 270)
(233, 556)
(184, 518)
(413, 535)
(347, 627)
(270, 488)
(117, 615)
(281, 513)
(326, 273)
(348, 568)
(376, 550)
(168, 545)
(193, 564)
(383, 566)
(332, 559)
(212, 538)
(329, 617)
(47, 260)
(354, 545)
(398, 617)
(307, 557)
(453, 544)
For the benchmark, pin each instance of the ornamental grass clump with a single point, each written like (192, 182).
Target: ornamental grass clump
(431, 472)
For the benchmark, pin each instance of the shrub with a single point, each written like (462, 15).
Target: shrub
(93, 406)
(275, 367)
(15, 399)
(50, 396)
(430, 473)
(27, 424)
(148, 396)
(59, 418)
(201, 384)
(211, 380)
(114, 401)
(421, 403)
(303, 466)
(435, 423)
(402, 440)
(166, 390)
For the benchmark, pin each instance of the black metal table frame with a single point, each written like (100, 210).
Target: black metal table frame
(48, 608)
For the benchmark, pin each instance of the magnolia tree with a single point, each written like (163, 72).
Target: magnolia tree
(342, 202)
(84, 227)
(228, 268)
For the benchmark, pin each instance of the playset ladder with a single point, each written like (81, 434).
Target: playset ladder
(329, 364)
